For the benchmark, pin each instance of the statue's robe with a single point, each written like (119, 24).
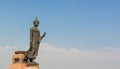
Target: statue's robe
(35, 39)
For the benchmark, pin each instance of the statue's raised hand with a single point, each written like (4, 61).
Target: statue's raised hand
(44, 34)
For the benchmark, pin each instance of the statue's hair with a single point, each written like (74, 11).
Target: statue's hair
(36, 20)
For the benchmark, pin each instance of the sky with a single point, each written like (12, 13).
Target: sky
(73, 25)
(68, 23)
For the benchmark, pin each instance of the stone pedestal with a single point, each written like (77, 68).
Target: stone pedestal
(19, 62)
(22, 66)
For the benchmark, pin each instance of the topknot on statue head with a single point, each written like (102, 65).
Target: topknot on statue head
(36, 22)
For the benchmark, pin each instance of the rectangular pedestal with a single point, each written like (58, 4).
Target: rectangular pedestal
(22, 66)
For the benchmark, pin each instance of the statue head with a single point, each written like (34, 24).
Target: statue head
(36, 22)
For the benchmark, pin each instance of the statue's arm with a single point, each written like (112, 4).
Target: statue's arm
(43, 35)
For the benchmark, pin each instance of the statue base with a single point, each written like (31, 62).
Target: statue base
(19, 62)
(22, 66)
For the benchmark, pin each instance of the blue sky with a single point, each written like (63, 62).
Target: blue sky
(82, 24)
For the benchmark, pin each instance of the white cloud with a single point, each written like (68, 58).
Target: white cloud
(5, 56)
(51, 57)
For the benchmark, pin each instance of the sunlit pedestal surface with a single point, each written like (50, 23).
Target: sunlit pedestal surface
(19, 62)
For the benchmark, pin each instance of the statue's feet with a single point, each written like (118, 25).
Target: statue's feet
(33, 63)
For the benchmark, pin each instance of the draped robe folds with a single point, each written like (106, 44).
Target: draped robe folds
(35, 39)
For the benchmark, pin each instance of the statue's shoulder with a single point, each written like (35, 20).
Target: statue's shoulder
(32, 28)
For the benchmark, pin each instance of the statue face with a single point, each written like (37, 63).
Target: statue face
(36, 24)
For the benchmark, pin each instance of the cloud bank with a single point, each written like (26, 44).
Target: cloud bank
(51, 57)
